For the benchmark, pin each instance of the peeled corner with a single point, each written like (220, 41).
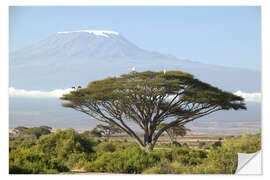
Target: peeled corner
(249, 164)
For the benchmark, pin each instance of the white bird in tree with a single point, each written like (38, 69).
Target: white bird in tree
(164, 71)
(133, 69)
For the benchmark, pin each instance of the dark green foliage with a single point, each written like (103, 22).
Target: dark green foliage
(105, 147)
(217, 144)
(37, 131)
(179, 160)
(50, 154)
(113, 146)
(30, 160)
(124, 157)
(132, 160)
(129, 158)
(68, 146)
(166, 167)
(188, 156)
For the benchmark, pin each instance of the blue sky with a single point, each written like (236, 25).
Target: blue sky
(229, 36)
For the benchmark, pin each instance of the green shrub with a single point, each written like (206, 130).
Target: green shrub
(105, 147)
(166, 167)
(112, 146)
(131, 160)
(51, 154)
(188, 156)
(247, 143)
(29, 161)
(223, 160)
(162, 154)
(217, 144)
(67, 146)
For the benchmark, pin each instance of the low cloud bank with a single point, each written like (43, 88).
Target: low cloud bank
(37, 94)
(251, 97)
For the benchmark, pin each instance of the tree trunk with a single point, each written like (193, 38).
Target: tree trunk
(148, 145)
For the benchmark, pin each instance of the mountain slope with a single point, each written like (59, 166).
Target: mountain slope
(75, 58)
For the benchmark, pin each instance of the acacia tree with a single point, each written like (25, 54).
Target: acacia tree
(148, 99)
(37, 131)
(174, 131)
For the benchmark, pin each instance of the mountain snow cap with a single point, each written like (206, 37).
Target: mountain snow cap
(95, 32)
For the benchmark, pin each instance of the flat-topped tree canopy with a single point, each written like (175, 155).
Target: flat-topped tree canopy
(150, 98)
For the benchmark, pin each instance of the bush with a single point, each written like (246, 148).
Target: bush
(105, 147)
(29, 161)
(223, 160)
(166, 167)
(51, 154)
(131, 160)
(247, 143)
(68, 146)
(162, 154)
(188, 156)
(217, 144)
(219, 160)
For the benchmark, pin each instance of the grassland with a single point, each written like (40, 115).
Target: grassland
(192, 140)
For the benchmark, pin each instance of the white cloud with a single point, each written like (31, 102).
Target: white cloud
(37, 94)
(251, 97)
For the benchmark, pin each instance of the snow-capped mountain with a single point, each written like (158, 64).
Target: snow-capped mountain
(68, 58)
(84, 44)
